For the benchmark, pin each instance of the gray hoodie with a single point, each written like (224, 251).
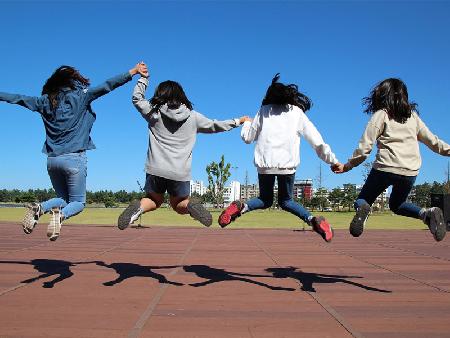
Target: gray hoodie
(172, 135)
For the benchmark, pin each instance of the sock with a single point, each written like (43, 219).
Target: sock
(310, 218)
(423, 214)
(244, 209)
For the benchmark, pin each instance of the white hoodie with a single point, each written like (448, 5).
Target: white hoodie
(277, 130)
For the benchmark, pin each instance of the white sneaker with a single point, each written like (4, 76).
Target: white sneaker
(54, 227)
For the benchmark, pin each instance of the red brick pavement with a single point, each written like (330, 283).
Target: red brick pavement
(197, 282)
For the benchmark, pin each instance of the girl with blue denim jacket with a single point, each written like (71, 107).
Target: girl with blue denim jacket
(65, 108)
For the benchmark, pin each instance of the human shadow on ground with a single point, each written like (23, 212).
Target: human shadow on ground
(48, 268)
(214, 275)
(129, 270)
(307, 279)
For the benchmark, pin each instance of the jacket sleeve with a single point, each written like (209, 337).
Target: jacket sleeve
(142, 105)
(431, 141)
(109, 85)
(208, 126)
(30, 102)
(312, 135)
(250, 130)
(368, 139)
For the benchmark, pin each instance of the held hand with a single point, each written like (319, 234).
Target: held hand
(244, 118)
(340, 168)
(140, 68)
(143, 70)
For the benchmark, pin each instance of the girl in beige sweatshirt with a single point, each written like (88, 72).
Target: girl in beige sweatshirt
(396, 128)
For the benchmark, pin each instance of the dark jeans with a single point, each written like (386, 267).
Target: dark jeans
(378, 181)
(285, 191)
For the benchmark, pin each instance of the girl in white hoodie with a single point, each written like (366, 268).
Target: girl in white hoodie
(276, 129)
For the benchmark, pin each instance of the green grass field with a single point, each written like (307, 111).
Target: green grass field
(256, 219)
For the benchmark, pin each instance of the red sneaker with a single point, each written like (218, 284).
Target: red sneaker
(230, 214)
(323, 228)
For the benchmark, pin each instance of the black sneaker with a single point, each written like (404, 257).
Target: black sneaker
(198, 212)
(359, 220)
(435, 221)
(129, 215)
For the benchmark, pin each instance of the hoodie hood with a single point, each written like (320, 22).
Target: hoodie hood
(178, 115)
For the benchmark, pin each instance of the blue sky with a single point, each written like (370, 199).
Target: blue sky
(224, 54)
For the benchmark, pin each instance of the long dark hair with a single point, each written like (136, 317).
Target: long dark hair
(390, 95)
(170, 93)
(279, 93)
(63, 77)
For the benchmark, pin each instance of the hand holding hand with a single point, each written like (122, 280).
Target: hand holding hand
(140, 68)
(244, 118)
(339, 168)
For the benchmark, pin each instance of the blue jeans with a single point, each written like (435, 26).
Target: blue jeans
(285, 191)
(378, 181)
(68, 175)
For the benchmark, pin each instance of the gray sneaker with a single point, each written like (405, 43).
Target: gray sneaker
(199, 213)
(129, 215)
(434, 218)
(32, 213)
(54, 227)
(359, 220)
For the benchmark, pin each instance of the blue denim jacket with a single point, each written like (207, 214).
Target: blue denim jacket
(68, 126)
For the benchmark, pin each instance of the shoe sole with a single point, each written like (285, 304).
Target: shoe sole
(441, 229)
(29, 221)
(223, 223)
(124, 219)
(199, 213)
(357, 224)
(322, 232)
(54, 229)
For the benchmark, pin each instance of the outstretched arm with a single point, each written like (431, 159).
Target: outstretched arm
(139, 101)
(432, 141)
(112, 83)
(30, 102)
(208, 126)
(250, 129)
(312, 135)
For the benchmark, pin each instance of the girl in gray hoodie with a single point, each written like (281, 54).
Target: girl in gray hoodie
(173, 126)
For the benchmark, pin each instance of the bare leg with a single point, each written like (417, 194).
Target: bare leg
(179, 204)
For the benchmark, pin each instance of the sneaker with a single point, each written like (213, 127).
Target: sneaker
(198, 212)
(32, 214)
(323, 228)
(129, 215)
(359, 220)
(54, 227)
(230, 214)
(435, 220)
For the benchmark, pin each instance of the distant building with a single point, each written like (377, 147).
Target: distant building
(249, 191)
(197, 187)
(303, 189)
(232, 192)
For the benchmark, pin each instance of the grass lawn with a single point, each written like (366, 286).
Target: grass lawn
(256, 219)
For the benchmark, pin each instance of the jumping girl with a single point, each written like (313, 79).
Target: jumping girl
(277, 128)
(173, 126)
(65, 108)
(396, 128)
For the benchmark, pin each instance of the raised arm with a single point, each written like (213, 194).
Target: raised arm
(432, 141)
(139, 101)
(109, 85)
(208, 126)
(312, 135)
(30, 102)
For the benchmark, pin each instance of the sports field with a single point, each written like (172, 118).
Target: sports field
(257, 219)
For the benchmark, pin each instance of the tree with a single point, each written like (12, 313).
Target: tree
(336, 197)
(218, 174)
(350, 195)
(421, 195)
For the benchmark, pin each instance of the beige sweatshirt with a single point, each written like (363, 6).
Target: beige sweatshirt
(398, 146)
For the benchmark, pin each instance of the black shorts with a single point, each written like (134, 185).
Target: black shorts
(159, 185)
